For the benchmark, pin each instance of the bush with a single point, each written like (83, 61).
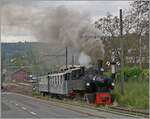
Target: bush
(136, 94)
(145, 74)
(132, 72)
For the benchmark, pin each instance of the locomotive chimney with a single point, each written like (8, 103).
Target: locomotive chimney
(100, 66)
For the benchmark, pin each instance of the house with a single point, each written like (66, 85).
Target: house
(19, 75)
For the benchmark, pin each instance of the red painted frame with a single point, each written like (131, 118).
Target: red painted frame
(100, 96)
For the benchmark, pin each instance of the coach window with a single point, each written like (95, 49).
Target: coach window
(65, 76)
(73, 75)
(58, 79)
(50, 77)
(52, 80)
(78, 73)
(61, 79)
(55, 80)
(68, 76)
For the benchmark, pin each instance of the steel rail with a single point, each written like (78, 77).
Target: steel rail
(130, 111)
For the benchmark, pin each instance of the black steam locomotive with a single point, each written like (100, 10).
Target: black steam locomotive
(75, 81)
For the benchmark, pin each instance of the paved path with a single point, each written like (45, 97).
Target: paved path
(19, 106)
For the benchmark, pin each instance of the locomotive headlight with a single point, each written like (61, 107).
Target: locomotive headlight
(113, 84)
(87, 84)
(94, 78)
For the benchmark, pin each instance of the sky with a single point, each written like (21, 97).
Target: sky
(17, 14)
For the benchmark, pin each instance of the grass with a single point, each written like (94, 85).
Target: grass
(136, 94)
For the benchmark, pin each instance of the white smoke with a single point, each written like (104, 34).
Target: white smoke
(84, 59)
(68, 28)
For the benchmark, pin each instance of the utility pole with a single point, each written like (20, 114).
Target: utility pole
(72, 60)
(140, 54)
(122, 54)
(66, 57)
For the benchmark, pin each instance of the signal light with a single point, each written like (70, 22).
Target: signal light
(108, 63)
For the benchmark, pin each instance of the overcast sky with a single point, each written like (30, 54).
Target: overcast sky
(16, 15)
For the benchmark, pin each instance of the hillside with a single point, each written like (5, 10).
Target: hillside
(35, 56)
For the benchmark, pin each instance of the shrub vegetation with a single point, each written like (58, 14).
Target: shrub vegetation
(136, 94)
(136, 87)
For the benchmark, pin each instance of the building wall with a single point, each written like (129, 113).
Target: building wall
(19, 76)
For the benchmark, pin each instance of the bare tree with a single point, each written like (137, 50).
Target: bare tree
(140, 22)
(109, 25)
(135, 26)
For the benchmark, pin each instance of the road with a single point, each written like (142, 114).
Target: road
(20, 106)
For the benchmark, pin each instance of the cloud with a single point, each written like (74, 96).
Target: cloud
(23, 13)
(12, 38)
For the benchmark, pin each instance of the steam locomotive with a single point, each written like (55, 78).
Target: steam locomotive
(78, 81)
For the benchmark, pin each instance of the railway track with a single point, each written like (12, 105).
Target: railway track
(129, 111)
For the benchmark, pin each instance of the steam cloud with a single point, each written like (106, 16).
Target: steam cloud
(84, 59)
(68, 28)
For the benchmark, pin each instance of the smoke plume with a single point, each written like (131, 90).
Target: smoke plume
(68, 28)
(84, 59)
